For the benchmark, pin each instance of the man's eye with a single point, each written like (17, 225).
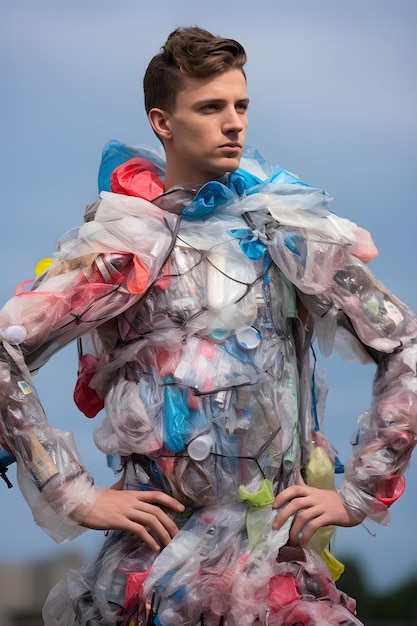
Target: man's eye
(210, 107)
(242, 107)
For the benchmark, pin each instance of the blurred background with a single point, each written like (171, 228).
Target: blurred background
(333, 89)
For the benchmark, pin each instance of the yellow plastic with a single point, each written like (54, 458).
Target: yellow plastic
(320, 474)
(42, 266)
(263, 497)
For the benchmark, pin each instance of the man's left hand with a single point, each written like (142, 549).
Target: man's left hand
(312, 508)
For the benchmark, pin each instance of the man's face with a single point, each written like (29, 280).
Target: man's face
(207, 128)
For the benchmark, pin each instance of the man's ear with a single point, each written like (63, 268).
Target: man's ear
(161, 123)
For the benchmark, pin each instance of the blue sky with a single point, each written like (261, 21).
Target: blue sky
(333, 89)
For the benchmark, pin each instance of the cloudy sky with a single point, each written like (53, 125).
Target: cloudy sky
(333, 89)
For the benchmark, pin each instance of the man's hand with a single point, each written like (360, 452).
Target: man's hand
(136, 512)
(312, 508)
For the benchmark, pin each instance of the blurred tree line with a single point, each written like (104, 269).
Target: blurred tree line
(396, 605)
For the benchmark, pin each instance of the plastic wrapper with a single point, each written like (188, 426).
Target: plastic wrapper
(50, 457)
(384, 440)
(137, 178)
(6, 459)
(115, 153)
(322, 268)
(90, 352)
(94, 275)
(207, 388)
(340, 286)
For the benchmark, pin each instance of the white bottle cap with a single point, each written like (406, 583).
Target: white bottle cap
(15, 334)
(248, 338)
(199, 448)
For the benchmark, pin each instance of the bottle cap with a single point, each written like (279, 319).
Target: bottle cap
(15, 334)
(248, 338)
(199, 448)
(219, 335)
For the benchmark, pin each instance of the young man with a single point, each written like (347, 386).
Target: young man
(195, 288)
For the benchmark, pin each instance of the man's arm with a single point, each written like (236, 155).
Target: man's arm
(98, 272)
(337, 287)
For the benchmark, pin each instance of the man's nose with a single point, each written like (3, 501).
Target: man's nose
(233, 121)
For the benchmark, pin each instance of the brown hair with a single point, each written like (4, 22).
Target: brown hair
(188, 52)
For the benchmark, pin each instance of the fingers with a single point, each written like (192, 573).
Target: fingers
(290, 503)
(156, 519)
(311, 509)
(288, 495)
(145, 513)
(304, 525)
(138, 512)
(150, 523)
(158, 497)
(305, 520)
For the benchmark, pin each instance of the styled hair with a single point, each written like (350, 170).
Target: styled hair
(188, 52)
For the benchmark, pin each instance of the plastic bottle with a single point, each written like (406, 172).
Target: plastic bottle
(377, 306)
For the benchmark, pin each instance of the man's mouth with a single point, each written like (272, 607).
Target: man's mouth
(231, 147)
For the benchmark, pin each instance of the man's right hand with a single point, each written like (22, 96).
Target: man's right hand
(137, 512)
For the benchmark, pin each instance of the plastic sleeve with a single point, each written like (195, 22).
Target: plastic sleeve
(339, 287)
(98, 271)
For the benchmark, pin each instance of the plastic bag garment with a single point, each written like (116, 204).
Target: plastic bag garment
(206, 382)
(338, 288)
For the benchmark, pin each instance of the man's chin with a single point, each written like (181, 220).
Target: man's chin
(229, 166)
